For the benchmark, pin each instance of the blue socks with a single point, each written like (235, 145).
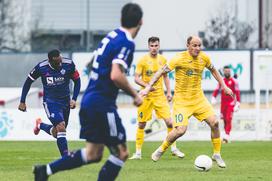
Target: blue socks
(46, 127)
(108, 172)
(67, 162)
(62, 143)
(110, 169)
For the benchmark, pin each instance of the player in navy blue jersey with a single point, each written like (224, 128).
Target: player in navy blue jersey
(56, 73)
(100, 123)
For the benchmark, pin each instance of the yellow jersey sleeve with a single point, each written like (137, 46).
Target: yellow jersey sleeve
(172, 64)
(208, 61)
(139, 66)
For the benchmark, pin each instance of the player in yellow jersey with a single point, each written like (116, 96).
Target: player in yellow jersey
(147, 66)
(189, 99)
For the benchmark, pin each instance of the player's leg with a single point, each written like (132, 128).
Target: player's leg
(93, 125)
(92, 153)
(114, 164)
(115, 140)
(228, 123)
(144, 115)
(204, 111)
(180, 118)
(162, 110)
(39, 125)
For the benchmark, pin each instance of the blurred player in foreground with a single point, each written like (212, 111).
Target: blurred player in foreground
(156, 100)
(228, 104)
(100, 123)
(189, 99)
(56, 73)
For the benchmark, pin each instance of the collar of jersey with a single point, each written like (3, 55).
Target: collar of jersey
(128, 35)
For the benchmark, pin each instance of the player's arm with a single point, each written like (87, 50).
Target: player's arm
(77, 84)
(119, 78)
(26, 87)
(219, 79)
(32, 76)
(237, 95)
(155, 78)
(139, 81)
(167, 85)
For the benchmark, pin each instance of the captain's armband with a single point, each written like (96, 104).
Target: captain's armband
(211, 67)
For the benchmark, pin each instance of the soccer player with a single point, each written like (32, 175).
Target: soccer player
(189, 99)
(100, 123)
(156, 100)
(228, 104)
(56, 73)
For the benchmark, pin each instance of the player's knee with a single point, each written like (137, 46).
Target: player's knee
(141, 125)
(214, 124)
(123, 155)
(61, 127)
(180, 130)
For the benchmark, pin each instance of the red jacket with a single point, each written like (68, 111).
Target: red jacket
(225, 99)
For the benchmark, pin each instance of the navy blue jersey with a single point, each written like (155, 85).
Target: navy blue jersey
(55, 82)
(117, 47)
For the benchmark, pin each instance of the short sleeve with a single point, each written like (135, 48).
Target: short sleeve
(139, 66)
(172, 64)
(208, 62)
(35, 73)
(124, 56)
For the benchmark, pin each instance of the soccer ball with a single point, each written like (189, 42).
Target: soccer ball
(203, 163)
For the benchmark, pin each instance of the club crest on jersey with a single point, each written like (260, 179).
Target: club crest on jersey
(62, 71)
(189, 72)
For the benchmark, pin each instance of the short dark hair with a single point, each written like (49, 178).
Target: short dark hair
(189, 39)
(53, 53)
(226, 67)
(131, 15)
(153, 39)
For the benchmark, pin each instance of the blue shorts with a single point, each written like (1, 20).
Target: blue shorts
(101, 126)
(57, 112)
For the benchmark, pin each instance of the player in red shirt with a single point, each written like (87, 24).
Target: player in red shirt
(228, 103)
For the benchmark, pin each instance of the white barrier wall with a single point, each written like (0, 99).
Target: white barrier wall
(16, 125)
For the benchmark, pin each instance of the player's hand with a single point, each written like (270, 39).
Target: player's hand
(138, 100)
(236, 107)
(72, 104)
(169, 96)
(22, 107)
(213, 100)
(152, 89)
(228, 91)
(144, 91)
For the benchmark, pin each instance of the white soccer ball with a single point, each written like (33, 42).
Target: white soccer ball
(203, 163)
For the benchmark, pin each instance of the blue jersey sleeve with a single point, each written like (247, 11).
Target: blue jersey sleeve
(35, 73)
(124, 56)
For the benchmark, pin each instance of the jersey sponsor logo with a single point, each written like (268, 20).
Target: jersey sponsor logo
(54, 80)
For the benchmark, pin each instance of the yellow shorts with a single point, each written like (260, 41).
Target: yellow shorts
(182, 111)
(159, 104)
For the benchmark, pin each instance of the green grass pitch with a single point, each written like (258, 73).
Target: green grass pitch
(245, 161)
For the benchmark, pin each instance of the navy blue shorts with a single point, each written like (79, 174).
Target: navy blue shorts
(57, 112)
(101, 126)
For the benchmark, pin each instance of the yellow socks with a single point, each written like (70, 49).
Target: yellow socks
(139, 139)
(165, 145)
(174, 145)
(216, 145)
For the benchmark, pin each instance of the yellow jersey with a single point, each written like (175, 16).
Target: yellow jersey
(147, 66)
(188, 76)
